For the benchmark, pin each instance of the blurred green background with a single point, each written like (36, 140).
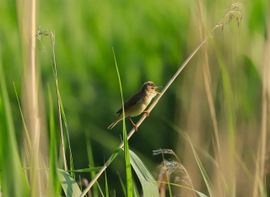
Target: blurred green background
(151, 38)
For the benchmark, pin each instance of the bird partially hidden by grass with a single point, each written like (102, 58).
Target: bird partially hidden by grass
(137, 104)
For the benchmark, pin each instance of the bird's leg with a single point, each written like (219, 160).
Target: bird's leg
(134, 125)
(158, 92)
(146, 112)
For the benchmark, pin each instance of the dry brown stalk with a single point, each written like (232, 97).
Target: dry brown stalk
(261, 153)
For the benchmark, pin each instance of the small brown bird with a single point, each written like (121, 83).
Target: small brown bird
(137, 103)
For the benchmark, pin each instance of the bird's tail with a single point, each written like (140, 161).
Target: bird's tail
(114, 123)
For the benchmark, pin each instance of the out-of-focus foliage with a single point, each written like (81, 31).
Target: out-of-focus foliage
(150, 38)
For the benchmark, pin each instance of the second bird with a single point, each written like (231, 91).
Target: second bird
(137, 103)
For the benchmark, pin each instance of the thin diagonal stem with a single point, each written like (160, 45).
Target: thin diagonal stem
(52, 37)
(150, 108)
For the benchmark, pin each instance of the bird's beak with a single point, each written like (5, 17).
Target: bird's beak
(156, 87)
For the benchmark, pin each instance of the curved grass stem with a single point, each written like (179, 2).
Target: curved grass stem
(151, 107)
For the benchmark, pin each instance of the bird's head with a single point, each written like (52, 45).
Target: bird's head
(149, 87)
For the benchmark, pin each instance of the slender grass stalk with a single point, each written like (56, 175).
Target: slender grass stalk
(13, 179)
(201, 167)
(122, 184)
(61, 112)
(169, 187)
(53, 182)
(265, 108)
(32, 102)
(231, 14)
(91, 161)
(208, 82)
(71, 163)
(54, 66)
(209, 96)
(129, 182)
(261, 155)
(106, 185)
(229, 109)
(28, 140)
(100, 191)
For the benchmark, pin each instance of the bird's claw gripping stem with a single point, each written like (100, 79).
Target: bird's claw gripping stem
(146, 113)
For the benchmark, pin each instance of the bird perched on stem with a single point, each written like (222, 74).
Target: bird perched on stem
(137, 103)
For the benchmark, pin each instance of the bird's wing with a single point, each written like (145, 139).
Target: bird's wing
(130, 102)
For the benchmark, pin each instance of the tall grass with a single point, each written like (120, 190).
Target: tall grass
(259, 188)
(32, 106)
(10, 165)
(220, 108)
(129, 182)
